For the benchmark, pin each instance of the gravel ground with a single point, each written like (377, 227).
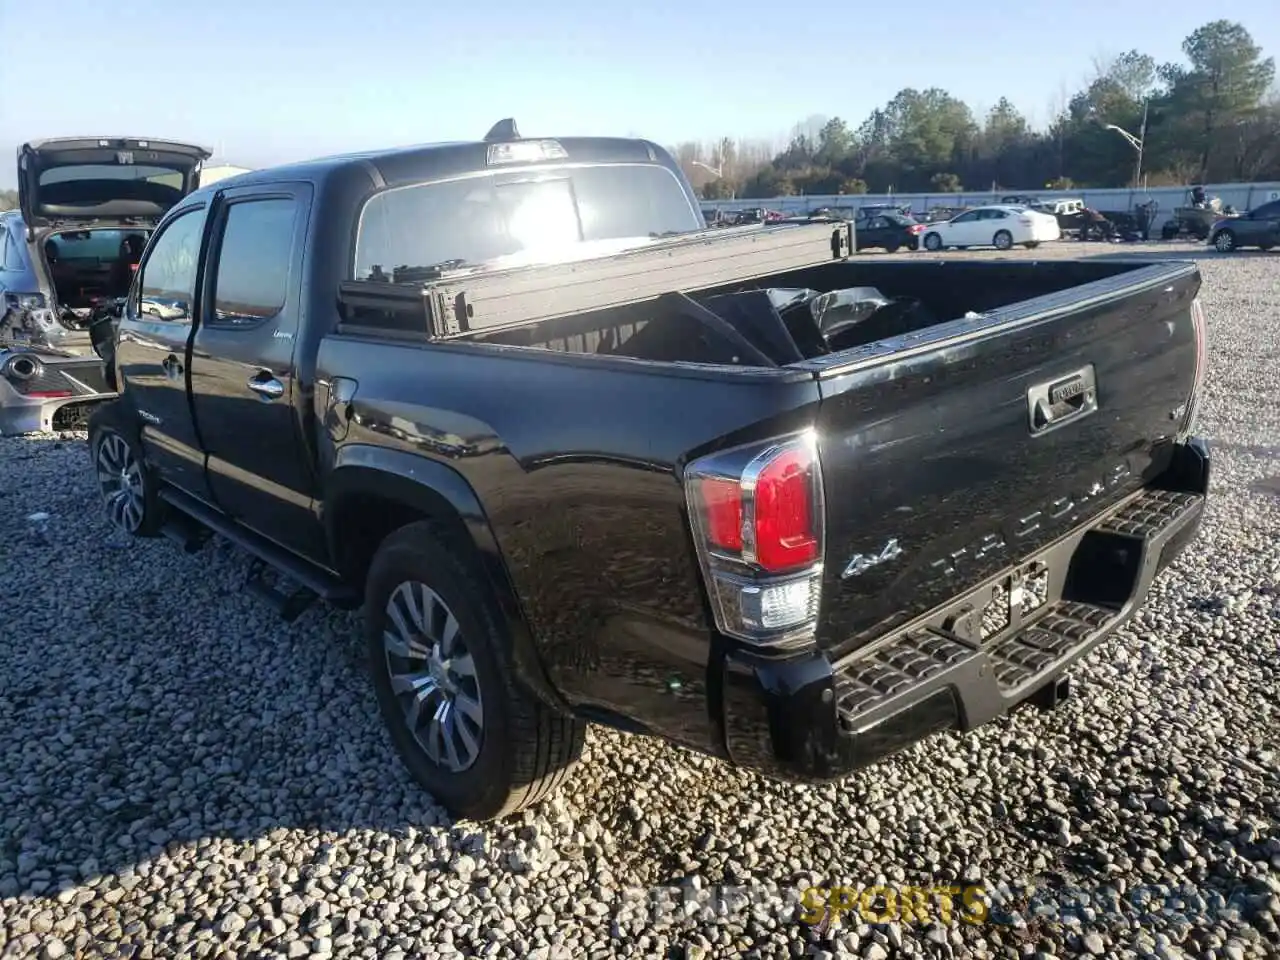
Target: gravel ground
(182, 774)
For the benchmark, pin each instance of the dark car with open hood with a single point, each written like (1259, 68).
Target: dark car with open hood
(87, 206)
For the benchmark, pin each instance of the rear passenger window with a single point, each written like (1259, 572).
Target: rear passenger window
(254, 261)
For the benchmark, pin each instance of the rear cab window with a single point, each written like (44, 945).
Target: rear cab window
(510, 218)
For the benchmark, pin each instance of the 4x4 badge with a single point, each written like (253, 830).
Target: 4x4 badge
(860, 563)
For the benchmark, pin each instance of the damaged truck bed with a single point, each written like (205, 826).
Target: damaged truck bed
(737, 489)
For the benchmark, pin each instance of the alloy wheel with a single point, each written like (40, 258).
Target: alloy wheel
(433, 676)
(120, 481)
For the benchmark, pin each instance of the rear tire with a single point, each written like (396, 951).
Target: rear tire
(1032, 244)
(126, 486)
(439, 655)
(932, 242)
(1003, 240)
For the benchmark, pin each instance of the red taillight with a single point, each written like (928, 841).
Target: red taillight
(757, 516)
(722, 503)
(784, 527)
(917, 228)
(47, 394)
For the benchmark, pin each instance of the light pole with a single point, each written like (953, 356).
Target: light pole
(719, 175)
(1135, 142)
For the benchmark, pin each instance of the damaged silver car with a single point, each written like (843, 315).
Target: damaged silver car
(67, 260)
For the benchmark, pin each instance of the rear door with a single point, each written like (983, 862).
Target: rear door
(873, 234)
(941, 467)
(151, 347)
(244, 389)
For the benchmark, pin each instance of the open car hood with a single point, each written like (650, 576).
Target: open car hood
(96, 178)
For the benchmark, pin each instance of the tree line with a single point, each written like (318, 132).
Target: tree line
(1213, 118)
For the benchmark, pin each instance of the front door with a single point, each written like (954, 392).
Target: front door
(964, 229)
(152, 349)
(248, 407)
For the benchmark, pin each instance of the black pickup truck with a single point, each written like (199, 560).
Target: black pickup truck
(583, 460)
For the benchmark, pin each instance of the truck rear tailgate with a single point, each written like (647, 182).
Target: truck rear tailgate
(956, 452)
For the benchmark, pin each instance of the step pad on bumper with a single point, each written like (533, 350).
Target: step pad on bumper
(990, 675)
(1150, 513)
(1022, 657)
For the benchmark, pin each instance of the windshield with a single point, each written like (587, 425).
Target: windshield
(94, 244)
(534, 217)
(108, 171)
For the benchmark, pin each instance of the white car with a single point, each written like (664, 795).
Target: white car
(1002, 226)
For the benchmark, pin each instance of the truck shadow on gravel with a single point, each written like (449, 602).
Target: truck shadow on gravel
(153, 710)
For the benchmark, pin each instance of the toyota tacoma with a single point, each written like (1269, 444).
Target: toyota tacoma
(581, 459)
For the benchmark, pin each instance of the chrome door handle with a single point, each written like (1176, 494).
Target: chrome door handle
(267, 389)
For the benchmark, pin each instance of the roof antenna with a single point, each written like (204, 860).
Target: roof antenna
(503, 130)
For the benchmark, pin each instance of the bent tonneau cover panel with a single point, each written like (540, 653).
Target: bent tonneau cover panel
(82, 178)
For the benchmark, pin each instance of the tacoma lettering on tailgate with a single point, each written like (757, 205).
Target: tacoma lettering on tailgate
(1061, 509)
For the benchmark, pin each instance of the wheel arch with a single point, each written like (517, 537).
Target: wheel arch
(373, 491)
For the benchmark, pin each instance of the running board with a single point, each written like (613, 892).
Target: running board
(187, 533)
(265, 584)
(311, 579)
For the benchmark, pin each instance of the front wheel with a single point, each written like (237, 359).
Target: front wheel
(1225, 241)
(891, 246)
(1003, 240)
(442, 671)
(932, 242)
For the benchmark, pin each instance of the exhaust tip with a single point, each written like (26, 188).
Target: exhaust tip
(22, 367)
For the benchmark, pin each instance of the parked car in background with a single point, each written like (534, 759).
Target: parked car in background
(87, 206)
(735, 489)
(888, 231)
(940, 213)
(1256, 228)
(869, 210)
(1002, 227)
